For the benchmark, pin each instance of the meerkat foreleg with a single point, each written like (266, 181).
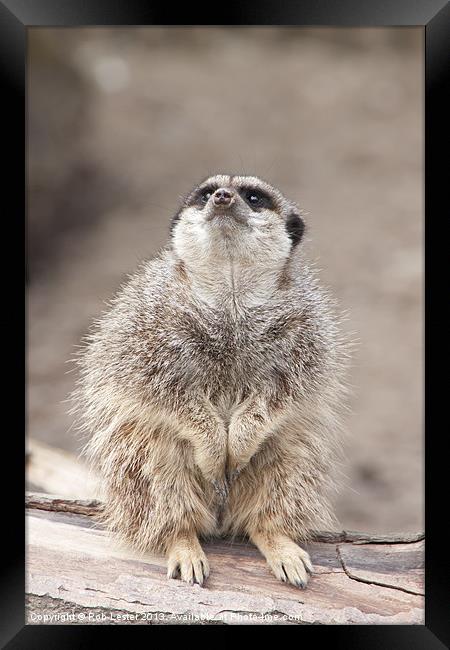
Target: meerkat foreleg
(206, 431)
(249, 427)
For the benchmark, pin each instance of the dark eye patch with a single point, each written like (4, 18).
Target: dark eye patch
(194, 198)
(200, 196)
(256, 198)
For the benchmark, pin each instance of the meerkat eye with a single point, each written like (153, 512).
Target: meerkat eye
(257, 199)
(205, 196)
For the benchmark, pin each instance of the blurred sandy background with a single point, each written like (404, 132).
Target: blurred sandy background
(121, 122)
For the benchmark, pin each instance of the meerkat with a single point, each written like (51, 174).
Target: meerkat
(213, 386)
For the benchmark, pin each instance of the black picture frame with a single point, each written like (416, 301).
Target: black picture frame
(16, 16)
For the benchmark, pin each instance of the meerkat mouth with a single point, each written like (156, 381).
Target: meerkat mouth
(226, 215)
(227, 221)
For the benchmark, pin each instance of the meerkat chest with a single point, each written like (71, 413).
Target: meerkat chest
(223, 355)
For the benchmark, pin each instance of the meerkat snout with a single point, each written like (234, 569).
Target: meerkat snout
(223, 197)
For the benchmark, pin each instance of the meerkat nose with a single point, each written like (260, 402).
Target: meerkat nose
(223, 196)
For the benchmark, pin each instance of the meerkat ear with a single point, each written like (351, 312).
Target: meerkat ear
(295, 227)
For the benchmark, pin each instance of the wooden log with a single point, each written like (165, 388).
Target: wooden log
(58, 471)
(53, 503)
(77, 574)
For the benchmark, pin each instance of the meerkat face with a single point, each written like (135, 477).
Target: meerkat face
(238, 217)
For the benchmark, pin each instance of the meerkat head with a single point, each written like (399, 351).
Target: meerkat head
(238, 217)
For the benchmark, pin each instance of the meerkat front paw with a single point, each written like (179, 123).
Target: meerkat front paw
(187, 561)
(237, 461)
(287, 560)
(221, 488)
(233, 474)
(215, 476)
(212, 467)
